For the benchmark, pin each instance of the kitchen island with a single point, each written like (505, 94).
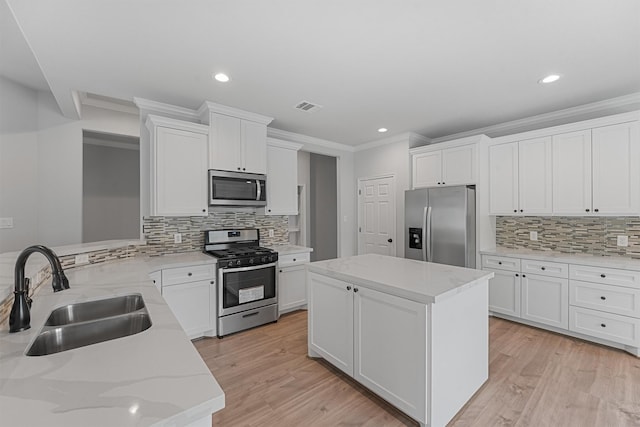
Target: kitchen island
(155, 377)
(413, 332)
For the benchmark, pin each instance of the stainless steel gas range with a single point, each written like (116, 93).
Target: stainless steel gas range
(247, 281)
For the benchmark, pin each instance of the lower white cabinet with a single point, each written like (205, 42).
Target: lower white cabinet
(504, 292)
(545, 300)
(190, 293)
(292, 286)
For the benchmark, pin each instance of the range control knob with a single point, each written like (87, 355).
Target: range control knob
(264, 259)
(250, 260)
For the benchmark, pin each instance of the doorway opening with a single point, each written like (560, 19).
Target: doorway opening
(110, 187)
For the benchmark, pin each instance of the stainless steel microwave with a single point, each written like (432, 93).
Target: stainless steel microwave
(228, 188)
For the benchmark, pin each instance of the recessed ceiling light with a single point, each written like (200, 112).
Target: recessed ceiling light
(382, 130)
(221, 77)
(549, 79)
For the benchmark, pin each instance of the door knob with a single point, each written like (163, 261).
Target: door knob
(389, 240)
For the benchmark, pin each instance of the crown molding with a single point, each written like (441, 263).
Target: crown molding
(112, 144)
(83, 99)
(162, 108)
(209, 107)
(153, 120)
(414, 139)
(606, 107)
(304, 139)
(283, 144)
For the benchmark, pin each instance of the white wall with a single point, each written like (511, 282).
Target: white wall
(41, 159)
(389, 159)
(18, 168)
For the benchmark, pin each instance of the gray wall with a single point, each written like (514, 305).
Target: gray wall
(110, 190)
(323, 203)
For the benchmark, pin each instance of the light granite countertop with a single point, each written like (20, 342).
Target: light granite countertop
(154, 378)
(290, 249)
(581, 259)
(419, 281)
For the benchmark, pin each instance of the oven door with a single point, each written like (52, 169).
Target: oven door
(245, 288)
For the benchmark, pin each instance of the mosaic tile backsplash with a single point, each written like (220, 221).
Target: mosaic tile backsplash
(590, 235)
(158, 231)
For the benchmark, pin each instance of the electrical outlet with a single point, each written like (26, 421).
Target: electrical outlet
(6, 222)
(177, 237)
(82, 259)
(623, 240)
(533, 235)
(271, 232)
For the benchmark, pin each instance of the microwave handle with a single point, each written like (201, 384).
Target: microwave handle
(259, 190)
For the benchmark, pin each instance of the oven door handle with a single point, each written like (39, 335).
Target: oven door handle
(253, 267)
(259, 188)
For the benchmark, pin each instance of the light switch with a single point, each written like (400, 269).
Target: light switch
(533, 235)
(271, 234)
(177, 237)
(81, 259)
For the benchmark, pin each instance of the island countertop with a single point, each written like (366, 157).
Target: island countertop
(155, 377)
(419, 281)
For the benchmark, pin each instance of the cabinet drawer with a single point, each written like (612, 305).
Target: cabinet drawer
(545, 268)
(612, 327)
(173, 276)
(612, 299)
(608, 276)
(500, 263)
(299, 258)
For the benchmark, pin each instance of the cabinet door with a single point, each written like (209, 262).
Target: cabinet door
(225, 143)
(156, 278)
(572, 173)
(427, 169)
(459, 165)
(503, 179)
(330, 332)
(391, 349)
(254, 147)
(282, 181)
(545, 300)
(190, 304)
(616, 169)
(534, 176)
(180, 173)
(504, 293)
(292, 289)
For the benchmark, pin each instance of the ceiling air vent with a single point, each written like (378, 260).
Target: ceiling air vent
(307, 107)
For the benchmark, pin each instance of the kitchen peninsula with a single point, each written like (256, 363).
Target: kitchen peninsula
(155, 377)
(413, 332)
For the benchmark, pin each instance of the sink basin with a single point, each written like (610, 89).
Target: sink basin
(82, 324)
(92, 310)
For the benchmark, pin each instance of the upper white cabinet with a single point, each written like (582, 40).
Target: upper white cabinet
(449, 163)
(520, 177)
(282, 177)
(237, 138)
(178, 167)
(597, 171)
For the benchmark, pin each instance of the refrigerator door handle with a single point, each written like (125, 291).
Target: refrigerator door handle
(426, 238)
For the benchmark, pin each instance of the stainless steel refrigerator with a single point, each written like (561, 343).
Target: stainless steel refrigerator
(440, 225)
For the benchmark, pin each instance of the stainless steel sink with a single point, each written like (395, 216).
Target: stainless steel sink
(85, 311)
(119, 318)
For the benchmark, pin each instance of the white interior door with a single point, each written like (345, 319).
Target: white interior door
(377, 216)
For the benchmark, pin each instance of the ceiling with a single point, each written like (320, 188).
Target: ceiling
(431, 67)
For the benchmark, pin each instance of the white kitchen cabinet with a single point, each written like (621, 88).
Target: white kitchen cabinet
(390, 348)
(292, 286)
(505, 292)
(616, 169)
(520, 177)
(545, 300)
(572, 173)
(330, 331)
(449, 166)
(178, 167)
(282, 177)
(191, 294)
(156, 278)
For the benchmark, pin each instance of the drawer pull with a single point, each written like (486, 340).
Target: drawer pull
(603, 325)
(189, 274)
(603, 275)
(294, 260)
(517, 275)
(499, 262)
(524, 275)
(355, 289)
(603, 298)
(348, 288)
(542, 268)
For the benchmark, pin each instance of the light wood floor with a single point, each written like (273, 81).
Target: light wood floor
(536, 378)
